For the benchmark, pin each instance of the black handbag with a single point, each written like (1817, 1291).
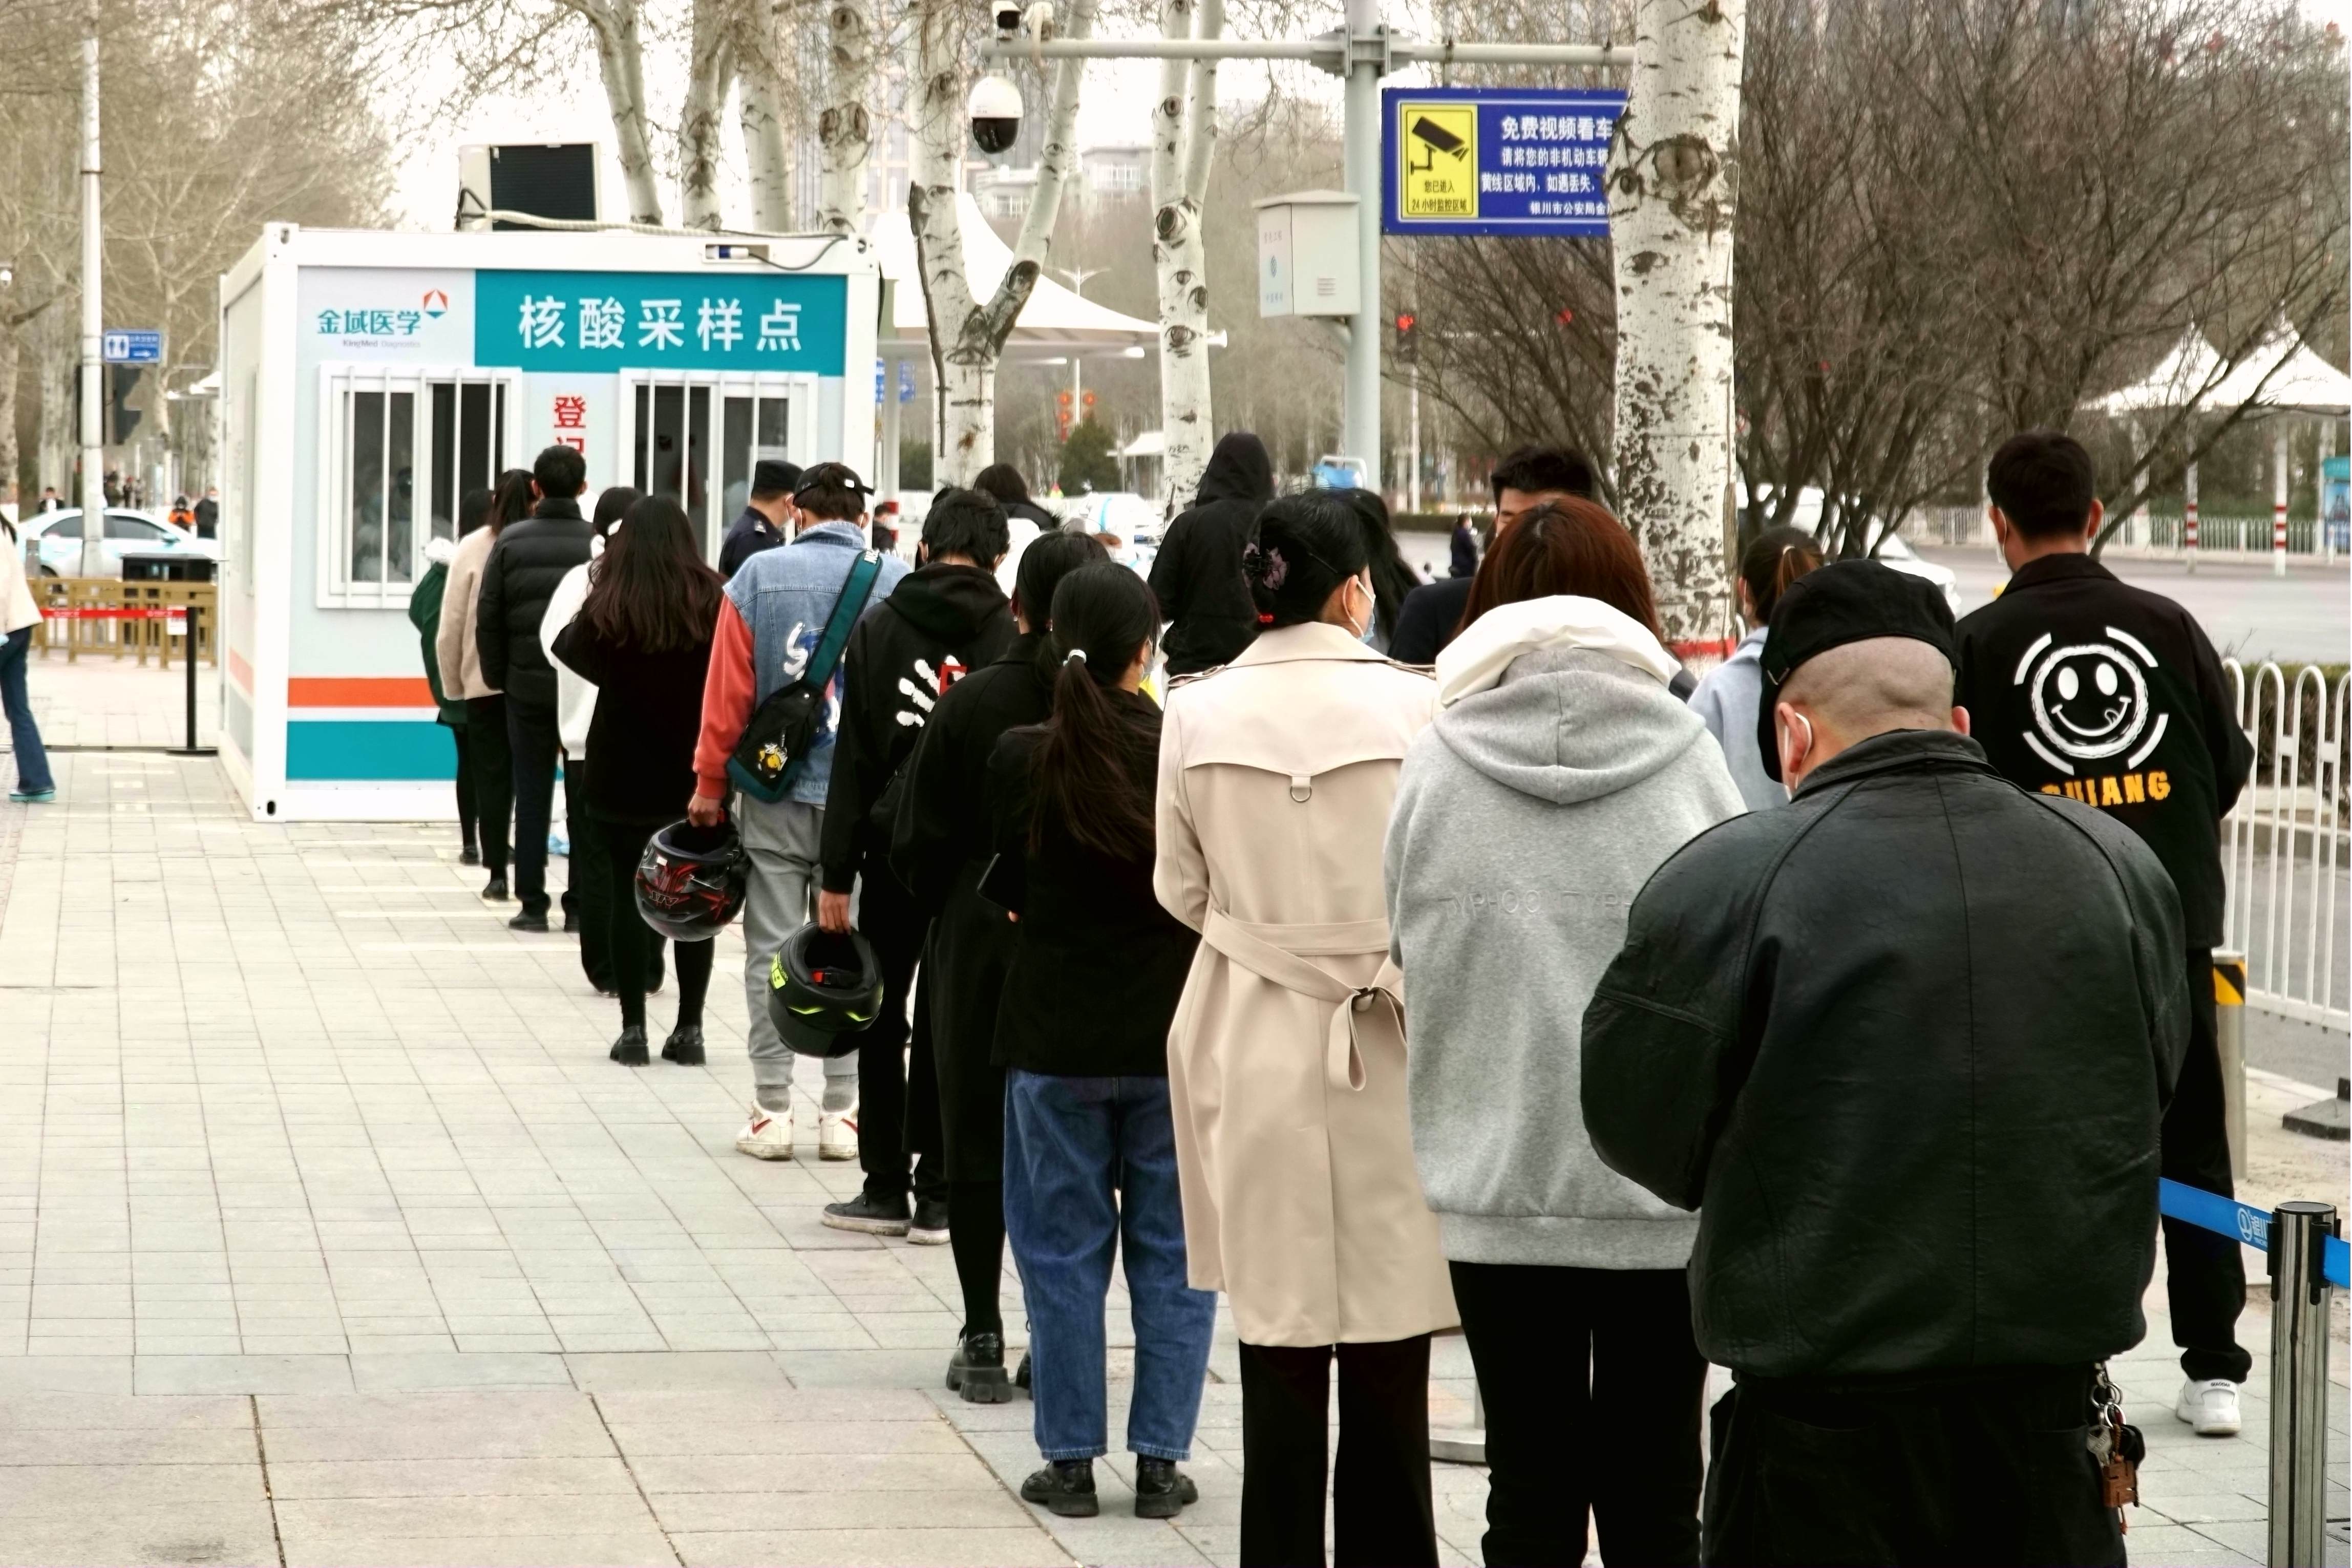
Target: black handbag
(786, 725)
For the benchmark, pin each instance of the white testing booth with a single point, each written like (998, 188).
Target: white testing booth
(369, 380)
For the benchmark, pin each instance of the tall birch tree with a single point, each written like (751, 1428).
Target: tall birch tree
(1183, 143)
(968, 333)
(844, 126)
(1673, 189)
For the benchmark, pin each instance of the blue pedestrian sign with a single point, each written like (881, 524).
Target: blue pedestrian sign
(131, 345)
(1488, 160)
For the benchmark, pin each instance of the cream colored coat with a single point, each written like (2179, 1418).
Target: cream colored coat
(454, 646)
(1286, 1060)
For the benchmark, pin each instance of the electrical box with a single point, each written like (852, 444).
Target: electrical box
(1306, 255)
(552, 180)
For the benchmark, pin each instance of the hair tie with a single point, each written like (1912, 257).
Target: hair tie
(1075, 655)
(1267, 565)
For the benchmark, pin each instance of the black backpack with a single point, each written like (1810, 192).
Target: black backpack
(784, 727)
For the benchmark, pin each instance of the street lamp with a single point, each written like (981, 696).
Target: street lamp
(1077, 276)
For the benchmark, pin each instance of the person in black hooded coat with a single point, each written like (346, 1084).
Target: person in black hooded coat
(939, 848)
(944, 619)
(1197, 577)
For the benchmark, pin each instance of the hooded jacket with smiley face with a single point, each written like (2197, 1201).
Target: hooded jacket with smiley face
(2081, 685)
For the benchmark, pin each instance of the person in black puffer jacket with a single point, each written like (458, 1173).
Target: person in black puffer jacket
(946, 618)
(528, 560)
(1197, 577)
(1916, 1113)
(938, 847)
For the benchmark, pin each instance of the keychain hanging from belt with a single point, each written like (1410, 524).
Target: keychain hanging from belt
(2118, 1448)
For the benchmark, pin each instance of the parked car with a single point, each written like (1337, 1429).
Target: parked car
(1893, 549)
(57, 538)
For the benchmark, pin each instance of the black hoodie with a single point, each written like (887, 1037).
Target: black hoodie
(938, 623)
(1197, 574)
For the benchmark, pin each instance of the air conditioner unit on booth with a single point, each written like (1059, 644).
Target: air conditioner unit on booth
(551, 179)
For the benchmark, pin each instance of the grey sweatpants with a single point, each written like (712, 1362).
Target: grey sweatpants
(784, 841)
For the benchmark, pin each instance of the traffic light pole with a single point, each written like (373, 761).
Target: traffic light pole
(1362, 53)
(93, 320)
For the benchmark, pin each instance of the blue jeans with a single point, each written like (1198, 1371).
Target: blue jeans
(32, 758)
(1090, 1164)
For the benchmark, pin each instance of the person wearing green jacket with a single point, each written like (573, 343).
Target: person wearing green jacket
(425, 615)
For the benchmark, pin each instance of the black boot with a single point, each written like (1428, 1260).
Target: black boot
(1161, 1490)
(469, 856)
(495, 888)
(1065, 1486)
(629, 1050)
(1021, 1376)
(977, 1370)
(684, 1046)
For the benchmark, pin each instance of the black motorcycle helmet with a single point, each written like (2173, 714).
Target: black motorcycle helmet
(823, 991)
(690, 880)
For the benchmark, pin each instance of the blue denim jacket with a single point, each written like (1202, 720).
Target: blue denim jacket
(785, 596)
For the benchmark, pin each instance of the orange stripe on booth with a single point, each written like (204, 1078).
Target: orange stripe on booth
(240, 672)
(358, 691)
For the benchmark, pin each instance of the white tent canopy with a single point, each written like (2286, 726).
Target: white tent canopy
(1054, 321)
(2282, 375)
(2186, 371)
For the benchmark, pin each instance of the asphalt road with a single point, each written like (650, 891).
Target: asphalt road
(2304, 617)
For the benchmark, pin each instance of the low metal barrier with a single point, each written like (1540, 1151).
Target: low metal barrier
(2308, 1263)
(2283, 848)
(102, 616)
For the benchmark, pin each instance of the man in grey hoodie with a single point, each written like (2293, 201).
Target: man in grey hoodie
(1559, 772)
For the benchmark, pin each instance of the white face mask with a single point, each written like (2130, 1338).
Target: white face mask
(1371, 609)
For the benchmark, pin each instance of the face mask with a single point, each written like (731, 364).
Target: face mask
(1371, 615)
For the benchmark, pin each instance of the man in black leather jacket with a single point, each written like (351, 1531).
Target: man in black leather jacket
(528, 560)
(1904, 1045)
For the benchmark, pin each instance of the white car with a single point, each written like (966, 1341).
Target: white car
(1893, 549)
(57, 538)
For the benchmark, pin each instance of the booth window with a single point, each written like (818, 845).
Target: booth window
(402, 449)
(672, 425)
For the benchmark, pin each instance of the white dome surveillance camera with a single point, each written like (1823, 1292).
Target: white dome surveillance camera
(995, 111)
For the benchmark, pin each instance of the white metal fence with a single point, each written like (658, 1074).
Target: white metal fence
(2285, 847)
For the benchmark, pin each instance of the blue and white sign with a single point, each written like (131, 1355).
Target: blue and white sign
(655, 321)
(1481, 160)
(131, 345)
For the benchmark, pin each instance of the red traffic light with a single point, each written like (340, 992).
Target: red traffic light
(1063, 397)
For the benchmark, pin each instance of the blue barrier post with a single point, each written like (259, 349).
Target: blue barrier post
(2308, 1261)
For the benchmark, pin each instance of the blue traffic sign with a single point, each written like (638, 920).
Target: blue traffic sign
(1487, 160)
(131, 345)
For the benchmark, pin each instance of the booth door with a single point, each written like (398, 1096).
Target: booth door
(693, 438)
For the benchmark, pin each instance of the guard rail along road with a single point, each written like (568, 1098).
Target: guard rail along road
(2283, 845)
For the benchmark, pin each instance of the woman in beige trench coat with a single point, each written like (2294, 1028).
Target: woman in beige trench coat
(1286, 1061)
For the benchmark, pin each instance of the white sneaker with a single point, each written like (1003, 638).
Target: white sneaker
(767, 1136)
(2209, 1405)
(836, 1135)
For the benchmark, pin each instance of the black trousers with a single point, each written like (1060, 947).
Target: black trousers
(467, 809)
(532, 742)
(1611, 1426)
(889, 918)
(1381, 1511)
(493, 765)
(588, 894)
(2204, 1273)
(1988, 1467)
(635, 945)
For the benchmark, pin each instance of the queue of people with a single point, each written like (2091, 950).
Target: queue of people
(1528, 990)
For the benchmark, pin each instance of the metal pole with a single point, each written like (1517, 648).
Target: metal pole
(1363, 153)
(188, 658)
(2230, 1041)
(2300, 1296)
(2189, 517)
(1412, 447)
(93, 319)
(2278, 503)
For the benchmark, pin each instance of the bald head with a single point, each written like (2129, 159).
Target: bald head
(1857, 689)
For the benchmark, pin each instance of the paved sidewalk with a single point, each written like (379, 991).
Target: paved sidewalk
(328, 1235)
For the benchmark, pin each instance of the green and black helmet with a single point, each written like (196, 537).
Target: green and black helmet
(823, 991)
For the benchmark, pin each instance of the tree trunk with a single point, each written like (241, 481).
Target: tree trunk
(9, 487)
(620, 61)
(1184, 130)
(765, 147)
(967, 337)
(844, 129)
(709, 70)
(1673, 181)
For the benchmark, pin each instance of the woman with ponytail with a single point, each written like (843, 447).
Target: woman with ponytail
(1287, 1064)
(1726, 700)
(1090, 1147)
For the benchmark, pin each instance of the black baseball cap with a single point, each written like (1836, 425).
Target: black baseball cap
(774, 476)
(1843, 602)
(832, 476)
